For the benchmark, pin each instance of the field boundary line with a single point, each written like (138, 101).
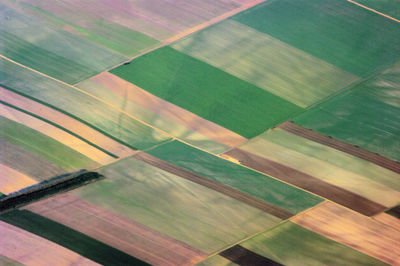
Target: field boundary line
(373, 10)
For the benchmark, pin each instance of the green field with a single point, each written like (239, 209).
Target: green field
(207, 91)
(368, 115)
(265, 62)
(236, 176)
(174, 206)
(291, 244)
(82, 107)
(338, 32)
(388, 7)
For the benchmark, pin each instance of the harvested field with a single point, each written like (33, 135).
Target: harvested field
(265, 62)
(307, 182)
(161, 114)
(89, 134)
(324, 164)
(367, 115)
(353, 230)
(57, 53)
(207, 91)
(127, 235)
(314, 249)
(334, 31)
(183, 210)
(12, 180)
(238, 177)
(30, 249)
(102, 117)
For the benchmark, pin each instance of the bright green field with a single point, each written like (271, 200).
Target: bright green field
(236, 176)
(368, 115)
(291, 244)
(207, 91)
(94, 113)
(343, 34)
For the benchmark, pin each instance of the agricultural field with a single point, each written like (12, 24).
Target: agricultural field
(199, 132)
(207, 91)
(367, 115)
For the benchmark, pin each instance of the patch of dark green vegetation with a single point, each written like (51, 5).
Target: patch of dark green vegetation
(47, 188)
(341, 33)
(69, 238)
(395, 211)
(207, 91)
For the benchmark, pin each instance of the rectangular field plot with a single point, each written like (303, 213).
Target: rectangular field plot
(312, 166)
(178, 208)
(55, 52)
(368, 115)
(207, 91)
(265, 62)
(345, 35)
(274, 192)
(305, 246)
(109, 120)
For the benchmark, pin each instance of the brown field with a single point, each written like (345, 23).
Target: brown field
(168, 110)
(224, 189)
(67, 122)
(30, 249)
(354, 230)
(388, 219)
(57, 134)
(12, 180)
(117, 231)
(307, 182)
(341, 146)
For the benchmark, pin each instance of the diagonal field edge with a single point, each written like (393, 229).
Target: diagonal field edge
(341, 146)
(211, 184)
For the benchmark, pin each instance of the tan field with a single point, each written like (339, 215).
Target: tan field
(354, 230)
(388, 219)
(12, 180)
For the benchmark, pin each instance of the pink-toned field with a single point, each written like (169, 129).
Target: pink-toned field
(29, 249)
(117, 231)
(353, 229)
